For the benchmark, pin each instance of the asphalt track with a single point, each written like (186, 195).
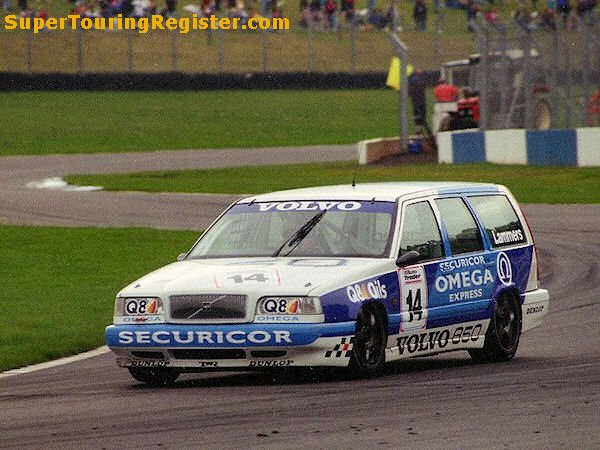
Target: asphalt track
(547, 397)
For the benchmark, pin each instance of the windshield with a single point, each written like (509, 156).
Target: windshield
(301, 228)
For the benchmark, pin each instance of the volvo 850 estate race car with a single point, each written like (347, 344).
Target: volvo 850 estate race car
(338, 276)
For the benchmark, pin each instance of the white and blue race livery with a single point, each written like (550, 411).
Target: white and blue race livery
(338, 276)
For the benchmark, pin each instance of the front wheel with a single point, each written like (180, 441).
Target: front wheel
(370, 339)
(504, 332)
(154, 376)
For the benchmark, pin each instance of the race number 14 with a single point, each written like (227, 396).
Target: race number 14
(413, 295)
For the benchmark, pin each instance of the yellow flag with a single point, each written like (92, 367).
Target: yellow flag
(393, 78)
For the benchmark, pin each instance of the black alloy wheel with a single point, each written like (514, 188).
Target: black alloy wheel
(370, 339)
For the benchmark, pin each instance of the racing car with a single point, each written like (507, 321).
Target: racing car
(346, 276)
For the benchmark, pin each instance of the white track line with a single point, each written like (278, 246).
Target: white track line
(59, 362)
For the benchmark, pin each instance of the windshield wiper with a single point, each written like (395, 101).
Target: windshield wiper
(299, 235)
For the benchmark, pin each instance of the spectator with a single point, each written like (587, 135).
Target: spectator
(172, 4)
(27, 13)
(548, 19)
(524, 19)
(392, 17)
(376, 19)
(420, 15)
(471, 9)
(6, 4)
(23, 5)
(445, 92)
(491, 16)
(564, 9)
(371, 6)
(348, 11)
(416, 91)
(593, 110)
(585, 11)
(331, 8)
(237, 10)
(150, 8)
(43, 14)
(207, 8)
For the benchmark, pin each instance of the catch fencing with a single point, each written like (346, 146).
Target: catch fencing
(353, 47)
(536, 75)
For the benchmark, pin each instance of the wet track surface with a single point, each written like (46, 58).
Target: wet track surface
(547, 397)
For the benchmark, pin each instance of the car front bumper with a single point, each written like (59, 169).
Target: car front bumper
(198, 347)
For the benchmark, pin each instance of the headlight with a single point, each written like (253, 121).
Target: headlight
(289, 306)
(138, 306)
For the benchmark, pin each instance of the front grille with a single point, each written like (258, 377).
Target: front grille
(208, 307)
(208, 353)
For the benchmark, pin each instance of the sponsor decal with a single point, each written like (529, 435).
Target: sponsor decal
(471, 294)
(135, 363)
(208, 364)
(141, 306)
(141, 319)
(238, 278)
(534, 309)
(236, 337)
(439, 339)
(341, 350)
(277, 318)
(270, 363)
(504, 269)
(462, 280)
(309, 206)
(507, 237)
(370, 290)
(413, 307)
(280, 306)
(461, 263)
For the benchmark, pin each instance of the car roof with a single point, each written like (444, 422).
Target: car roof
(390, 191)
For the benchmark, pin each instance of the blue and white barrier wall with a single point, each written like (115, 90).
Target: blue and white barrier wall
(578, 147)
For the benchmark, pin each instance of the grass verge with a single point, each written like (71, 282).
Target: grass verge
(88, 122)
(63, 283)
(528, 184)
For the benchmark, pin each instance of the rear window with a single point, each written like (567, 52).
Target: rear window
(499, 219)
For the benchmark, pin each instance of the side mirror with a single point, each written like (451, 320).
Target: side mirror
(181, 256)
(408, 258)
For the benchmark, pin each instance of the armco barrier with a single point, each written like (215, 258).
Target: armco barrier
(578, 147)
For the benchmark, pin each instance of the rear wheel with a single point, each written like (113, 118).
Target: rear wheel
(370, 339)
(504, 332)
(154, 376)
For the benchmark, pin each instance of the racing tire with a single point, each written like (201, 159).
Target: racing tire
(503, 334)
(154, 376)
(370, 341)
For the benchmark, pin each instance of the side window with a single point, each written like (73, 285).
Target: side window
(463, 233)
(420, 232)
(499, 218)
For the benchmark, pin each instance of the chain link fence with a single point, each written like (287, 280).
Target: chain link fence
(535, 76)
(351, 48)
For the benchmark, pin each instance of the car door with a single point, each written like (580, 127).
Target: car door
(420, 232)
(451, 281)
(460, 286)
